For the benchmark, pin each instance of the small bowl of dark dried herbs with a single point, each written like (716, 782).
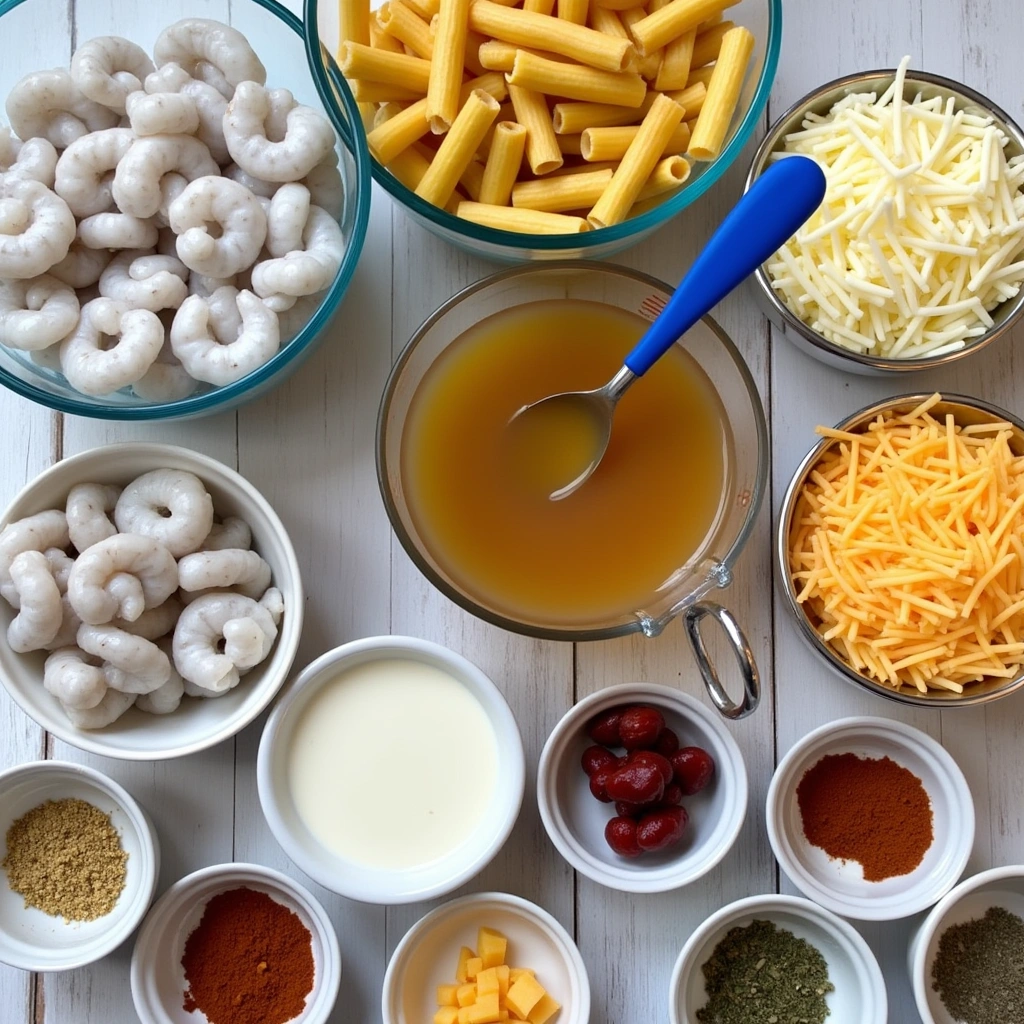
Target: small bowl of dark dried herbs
(776, 960)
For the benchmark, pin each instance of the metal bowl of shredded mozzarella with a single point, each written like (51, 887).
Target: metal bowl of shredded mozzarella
(916, 256)
(900, 550)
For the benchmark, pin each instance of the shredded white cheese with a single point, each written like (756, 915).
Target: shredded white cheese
(921, 232)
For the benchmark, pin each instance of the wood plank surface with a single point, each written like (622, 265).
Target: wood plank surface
(308, 446)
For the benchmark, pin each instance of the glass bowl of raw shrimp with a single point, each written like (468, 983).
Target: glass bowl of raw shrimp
(33, 40)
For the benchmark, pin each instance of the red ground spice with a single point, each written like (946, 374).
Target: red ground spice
(875, 812)
(249, 961)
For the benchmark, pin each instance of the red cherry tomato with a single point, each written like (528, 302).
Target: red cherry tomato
(596, 758)
(655, 760)
(636, 784)
(693, 767)
(660, 829)
(640, 727)
(598, 784)
(668, 743)
(673, 795)
(620, 834)
(604, 728)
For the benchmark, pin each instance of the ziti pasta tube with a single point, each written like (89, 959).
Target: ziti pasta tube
(542, 152)
(572, 118)
(403, 23)
(709, 42)
(562, 192)
(637, 164)
(661, 27)
(397, 69)
(503, 163)
(459, 146)
(576, 82)
(526, 28)
(723, 95)
(446, 67)
(611, 143)
(676, 62)
(354, 21)
(531, 222)
(669, 174)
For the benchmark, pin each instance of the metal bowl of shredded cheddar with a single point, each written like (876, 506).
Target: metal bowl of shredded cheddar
(916, 256)
(900, 549)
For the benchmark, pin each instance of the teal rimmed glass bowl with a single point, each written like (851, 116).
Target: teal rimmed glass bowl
(32, 39)
(762, 17)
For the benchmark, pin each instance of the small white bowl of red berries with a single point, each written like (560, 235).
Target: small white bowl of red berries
(641, 788)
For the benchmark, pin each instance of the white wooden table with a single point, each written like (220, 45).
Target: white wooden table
(309, 448)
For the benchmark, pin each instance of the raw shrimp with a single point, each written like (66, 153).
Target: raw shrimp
(132, 664)
(162, 113)
(75, 678)
(60, 564)
(66, 635)
(48, 104)
(326, 188)
(166, 380)
(113, 705)
(164, 699)
(303, 271)
(143, 280)
(121, 576)
(136, 187)
(239, 218)
(193, 41)
(37, 313)
(242, 570)
(214, 358)
(273, 601)
(169, 505)
(232, 532)
(36, 229)
(85, 169)
(38, 532)
(257, 186)
(94, 370)
(88, 513)
(287, 214)
(153, 623)
(82, 267)
(108, 69)
(40, 615)
(204, 287)
(114, 230)
(35, 159)
(209, 103)
(246, 628)
(308, 136)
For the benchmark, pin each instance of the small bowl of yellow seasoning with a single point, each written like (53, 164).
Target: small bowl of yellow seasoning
(900, 548)
(236, 944)
(870, 818)
(79, 866)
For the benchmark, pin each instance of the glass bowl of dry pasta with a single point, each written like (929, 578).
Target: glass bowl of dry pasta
(548, 129)
(900, 550)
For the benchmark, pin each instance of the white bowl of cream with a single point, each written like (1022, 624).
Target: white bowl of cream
(391, 770)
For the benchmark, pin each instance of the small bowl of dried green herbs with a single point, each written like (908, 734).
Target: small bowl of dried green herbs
(776, 958)
(966, 959)
(79, 861)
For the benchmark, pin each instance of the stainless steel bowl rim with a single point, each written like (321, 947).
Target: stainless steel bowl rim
(481, 612)
(807, 631)
(830, 92)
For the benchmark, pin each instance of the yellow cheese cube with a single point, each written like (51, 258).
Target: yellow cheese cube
(544, 1009)
(491, 946)
(524, 995)
(515, 973)
(487, 982)
(447, 1015)
(464, 1014)
(485, 1011)
(465, 955)
(503, 973)
(465, 995)
(474, 967)
(446, 995)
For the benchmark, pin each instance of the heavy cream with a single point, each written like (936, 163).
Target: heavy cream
(392, 764)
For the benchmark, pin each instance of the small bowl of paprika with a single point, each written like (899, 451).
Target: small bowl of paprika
(236, 944)
(586, 821)
(870, 818)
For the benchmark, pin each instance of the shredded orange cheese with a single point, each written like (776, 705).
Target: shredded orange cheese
(907, 550)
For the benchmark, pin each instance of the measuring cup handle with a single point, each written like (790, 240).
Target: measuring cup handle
(692, 619)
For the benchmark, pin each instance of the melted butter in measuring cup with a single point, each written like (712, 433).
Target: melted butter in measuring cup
(392, 764)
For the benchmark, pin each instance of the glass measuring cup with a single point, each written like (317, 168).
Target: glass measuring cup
(684, 593)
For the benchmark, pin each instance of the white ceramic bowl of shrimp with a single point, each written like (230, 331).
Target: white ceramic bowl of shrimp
(35, 941)
(196, 724)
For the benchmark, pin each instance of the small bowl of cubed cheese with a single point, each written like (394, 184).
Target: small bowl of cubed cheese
(916, 256)
(486, 958)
